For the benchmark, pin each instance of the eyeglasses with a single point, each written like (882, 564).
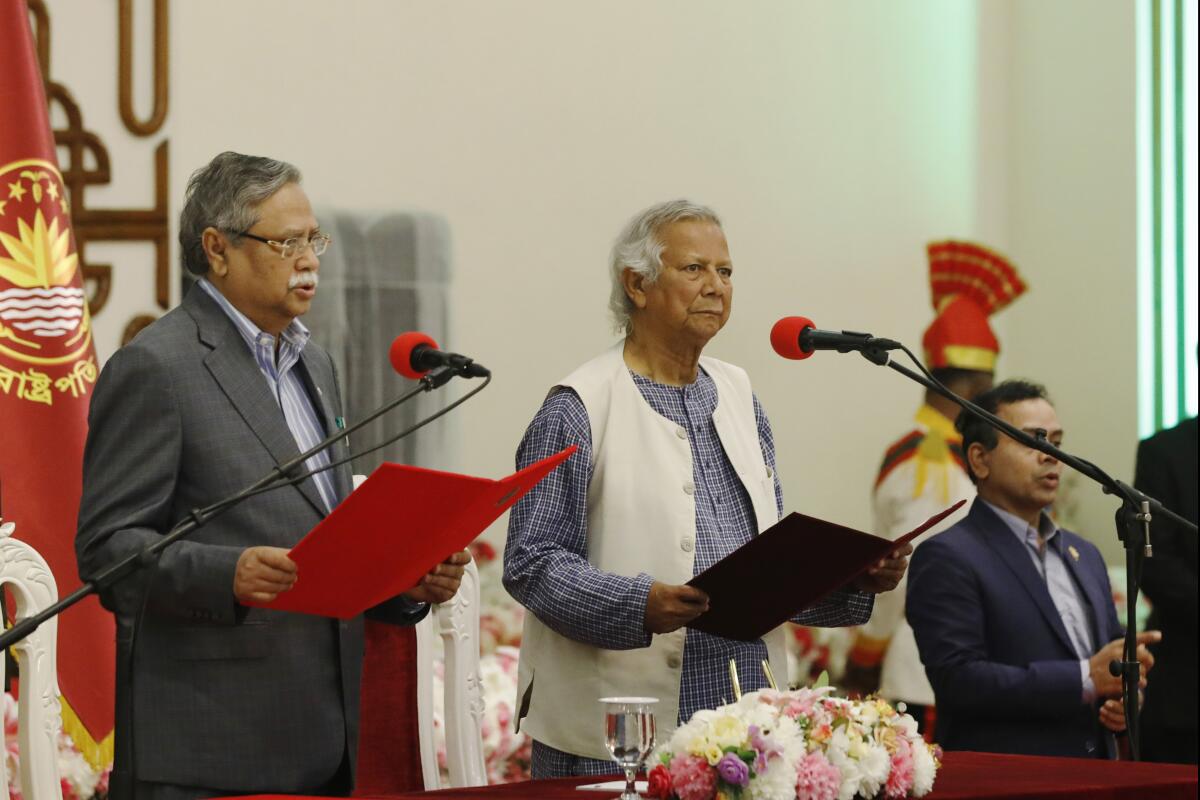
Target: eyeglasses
(295, 245)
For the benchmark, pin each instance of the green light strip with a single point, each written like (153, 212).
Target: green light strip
(1156, 200)
(1191, 294)
(1181, 400)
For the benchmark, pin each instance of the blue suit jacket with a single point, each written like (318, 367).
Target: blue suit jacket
(1004, 674)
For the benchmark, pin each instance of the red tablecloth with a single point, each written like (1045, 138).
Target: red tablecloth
(963, 775)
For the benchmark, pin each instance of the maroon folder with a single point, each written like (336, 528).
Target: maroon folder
(792, 565)
(392, 530)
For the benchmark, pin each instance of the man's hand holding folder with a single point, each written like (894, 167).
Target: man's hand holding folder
(885, 574)
(390, 537)
(441, 583)
(793, 565)
(263, 573)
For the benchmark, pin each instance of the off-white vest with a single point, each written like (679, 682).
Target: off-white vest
(641, 517)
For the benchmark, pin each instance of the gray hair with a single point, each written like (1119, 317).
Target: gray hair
(225, 194)
(639, 249)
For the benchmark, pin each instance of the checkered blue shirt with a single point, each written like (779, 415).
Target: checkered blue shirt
(285, 384)
(545, 559)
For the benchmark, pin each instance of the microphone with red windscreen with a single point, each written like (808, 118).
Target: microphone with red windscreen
(785, 337)
(797, 338)
(413, 354)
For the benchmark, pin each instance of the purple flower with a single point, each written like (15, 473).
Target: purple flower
(763, 747)
(733, 770)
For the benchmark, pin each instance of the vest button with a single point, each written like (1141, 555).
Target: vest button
(674, 661)
(681, 432)
(686, 545)
(689, 487)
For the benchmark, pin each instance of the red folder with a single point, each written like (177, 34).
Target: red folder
(792, 565)
(392, 530)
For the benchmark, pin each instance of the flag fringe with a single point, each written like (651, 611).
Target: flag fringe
(98, 754)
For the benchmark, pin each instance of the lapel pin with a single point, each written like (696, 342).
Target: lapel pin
(1074, 553)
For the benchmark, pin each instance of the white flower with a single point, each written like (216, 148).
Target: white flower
(866, 714)
(875, 765)
(778, 782)
(727, 730)
(73, 768)
(905, 724)
(923, 769)
(838, 755)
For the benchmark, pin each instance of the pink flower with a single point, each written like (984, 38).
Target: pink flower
(900, 779)
(816, 778)
(801, 707)
(692, 778)
(102, 786)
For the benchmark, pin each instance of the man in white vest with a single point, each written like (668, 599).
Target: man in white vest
(675, 469)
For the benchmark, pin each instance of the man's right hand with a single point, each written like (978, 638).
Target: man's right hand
(262, 573)
(1109, 685)
(669, 608)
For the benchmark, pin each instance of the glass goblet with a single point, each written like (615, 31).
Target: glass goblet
(629, 735)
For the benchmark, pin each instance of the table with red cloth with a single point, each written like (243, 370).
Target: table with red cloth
(962, 776)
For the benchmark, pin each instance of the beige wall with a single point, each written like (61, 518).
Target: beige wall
(835, 139)
(1072, 210)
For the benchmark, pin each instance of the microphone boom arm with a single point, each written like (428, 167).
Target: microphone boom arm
(276, 478)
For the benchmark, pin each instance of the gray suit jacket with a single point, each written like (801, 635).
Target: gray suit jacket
(221, 696)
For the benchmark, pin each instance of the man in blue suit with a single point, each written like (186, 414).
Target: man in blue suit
(1013, 616)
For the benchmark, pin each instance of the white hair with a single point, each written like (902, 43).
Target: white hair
(639, 248)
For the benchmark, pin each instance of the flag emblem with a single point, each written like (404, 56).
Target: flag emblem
(43, 312)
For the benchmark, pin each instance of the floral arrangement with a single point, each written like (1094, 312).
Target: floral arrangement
(807, 744)
(80, 781)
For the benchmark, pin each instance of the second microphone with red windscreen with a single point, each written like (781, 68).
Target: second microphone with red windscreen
(797, 338)
(414, 354)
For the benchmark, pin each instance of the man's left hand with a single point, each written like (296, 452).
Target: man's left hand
(1112, 715)
(441, 583)
(885, 575)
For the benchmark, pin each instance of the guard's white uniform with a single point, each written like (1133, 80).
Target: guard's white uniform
(922, 474)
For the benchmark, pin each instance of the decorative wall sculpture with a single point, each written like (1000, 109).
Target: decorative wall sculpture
(80, 147)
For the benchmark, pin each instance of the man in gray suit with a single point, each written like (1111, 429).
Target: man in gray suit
(218, 697)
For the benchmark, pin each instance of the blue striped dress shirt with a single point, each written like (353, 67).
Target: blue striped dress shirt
(285, 384)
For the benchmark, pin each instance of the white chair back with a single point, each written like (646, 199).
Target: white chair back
(29, 580)
(457, 623)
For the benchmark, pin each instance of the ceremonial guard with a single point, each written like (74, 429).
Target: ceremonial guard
(923, 472)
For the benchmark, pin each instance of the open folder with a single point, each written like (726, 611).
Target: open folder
(787, 568)
(381, 540)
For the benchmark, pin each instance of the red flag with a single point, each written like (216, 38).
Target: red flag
(47, 368)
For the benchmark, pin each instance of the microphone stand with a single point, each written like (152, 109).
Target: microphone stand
(278, 477)
(1132, 518)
